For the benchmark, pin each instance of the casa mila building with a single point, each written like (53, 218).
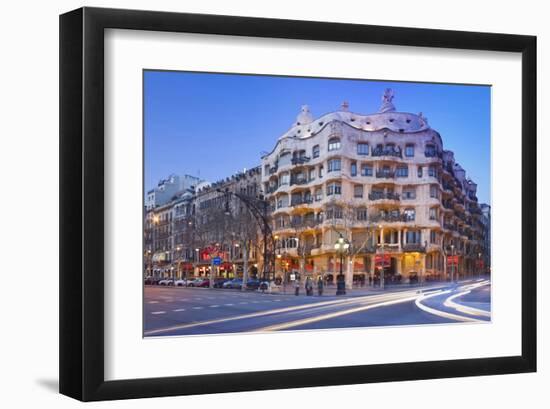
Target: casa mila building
(385, 185)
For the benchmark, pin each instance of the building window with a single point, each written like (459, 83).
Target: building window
(333, 144)
(433, 236)
(409, 151)
(434, 191)
(420, 171)
(362, 148)
(321, 171)
(311, 174)
(433, 213)
(430, 151)
(409, 193)
(358, 191)
(318, 194)
(366, 170)
(334, 189)
(353, 169)
(362, 214)
(413, 237)
(409, 215)
(402, 171)
(285, 179)
(334, 165)
(432, 171)
(315, 151)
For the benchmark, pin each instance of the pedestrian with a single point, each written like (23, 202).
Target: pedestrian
(309, 286)
(296, 286)
(320, 285)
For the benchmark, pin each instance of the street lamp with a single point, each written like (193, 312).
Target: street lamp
(341, 246)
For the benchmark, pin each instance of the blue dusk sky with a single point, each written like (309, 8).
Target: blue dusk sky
(213, 125)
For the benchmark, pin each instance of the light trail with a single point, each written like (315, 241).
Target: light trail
(305, 321)
(343, 302)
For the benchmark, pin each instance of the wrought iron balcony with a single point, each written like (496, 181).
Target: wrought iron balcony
(385, 174)
(387, 151)
(273, 170)
(383, 196)
(414, 247)
(432, 153)
(299, 181)
(300, 160)
(387, 218)
(301, 201)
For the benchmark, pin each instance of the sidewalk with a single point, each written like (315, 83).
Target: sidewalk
(330, 290)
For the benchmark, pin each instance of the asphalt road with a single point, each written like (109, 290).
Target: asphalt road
(196, 311)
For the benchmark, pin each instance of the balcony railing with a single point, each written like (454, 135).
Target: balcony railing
(272, 189)
(387, 151)
(383, 196)
(297, 202)
(387, 218)
(431, 153)
(385, 174)
(300, 160)
(273, 170)
(298, 181)
(414, 247)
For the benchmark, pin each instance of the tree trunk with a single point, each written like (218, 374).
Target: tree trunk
(245, 266)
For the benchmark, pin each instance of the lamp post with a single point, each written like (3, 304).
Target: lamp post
(341, 246)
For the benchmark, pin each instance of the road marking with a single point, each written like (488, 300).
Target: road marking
(158, 312)
(228, 305)
(366, 298)
(440, 313)
(179, 310)
(214, 306)
(243, 302)
(197, 308)
(465, 308)
(297, 323)
(153, 302)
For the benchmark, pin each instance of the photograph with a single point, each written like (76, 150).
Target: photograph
(280, 203)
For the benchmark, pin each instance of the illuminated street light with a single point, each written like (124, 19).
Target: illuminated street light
(341, 246)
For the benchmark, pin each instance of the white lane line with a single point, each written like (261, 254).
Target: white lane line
(297, 323)
(214, 306)
(355, 300)
(465, 308)
(243, 302)
(439, 313)
(228, 305)
(153, 302)
(197, 308)
(158, 312)
(179, 310)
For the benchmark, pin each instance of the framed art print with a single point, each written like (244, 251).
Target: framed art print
(252, 204)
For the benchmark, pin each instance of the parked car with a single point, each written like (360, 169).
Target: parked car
(236, 283)
(253, 284)
(219, 282)
(204, 283)
(166, 281)
(181, 282)
(195, 283)
(264, 286)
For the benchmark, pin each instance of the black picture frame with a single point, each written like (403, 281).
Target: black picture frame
(82, 199)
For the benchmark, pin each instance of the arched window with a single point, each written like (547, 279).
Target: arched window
(333, 144)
